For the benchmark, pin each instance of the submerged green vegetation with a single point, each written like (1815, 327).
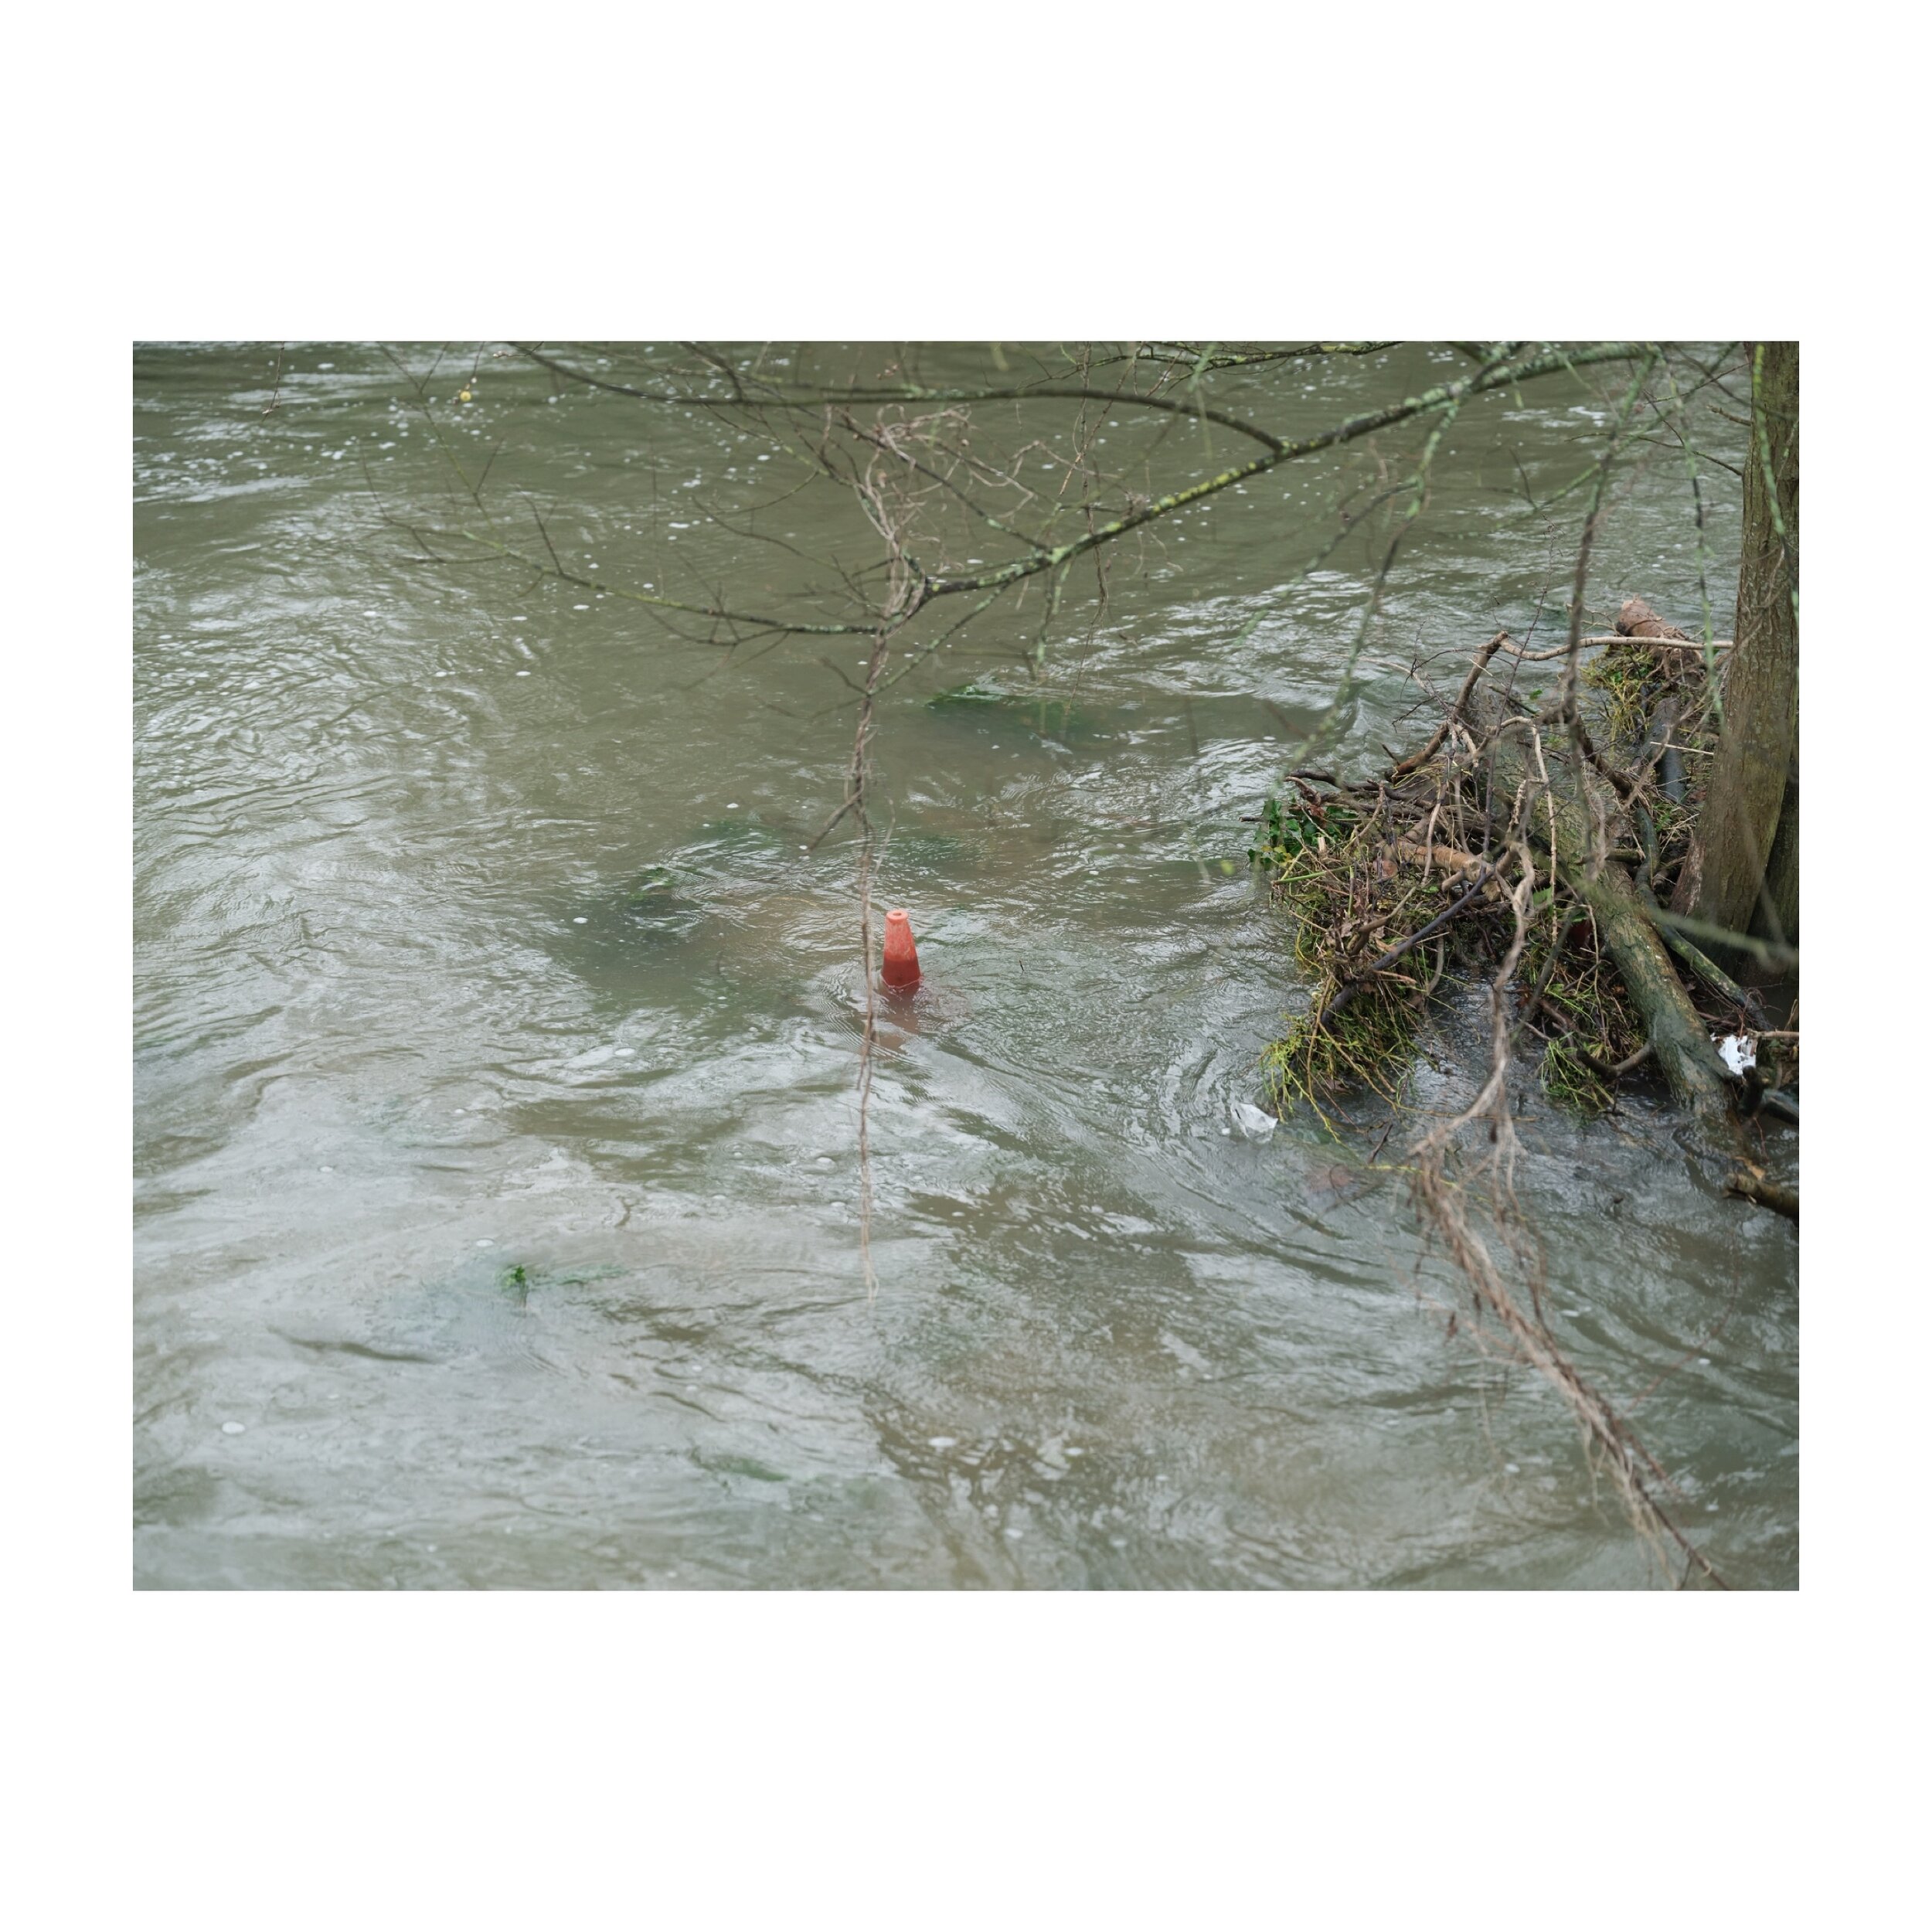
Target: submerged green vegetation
(1325, 864)
(1045, 713)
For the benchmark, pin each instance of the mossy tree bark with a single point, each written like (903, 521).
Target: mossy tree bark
(1742, 869)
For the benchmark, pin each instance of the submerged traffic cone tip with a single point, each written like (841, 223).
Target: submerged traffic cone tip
(900, 966)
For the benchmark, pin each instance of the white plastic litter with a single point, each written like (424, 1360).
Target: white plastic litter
(1256, 1125)
(1737, 1052)
(234, 1428)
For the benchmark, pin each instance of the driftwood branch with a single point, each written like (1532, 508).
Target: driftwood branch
(1418, 760)
(1754, 1187)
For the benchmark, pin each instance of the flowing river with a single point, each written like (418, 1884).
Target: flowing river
(497, 1027)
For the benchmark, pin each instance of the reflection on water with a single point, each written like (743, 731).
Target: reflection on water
(496, 1182)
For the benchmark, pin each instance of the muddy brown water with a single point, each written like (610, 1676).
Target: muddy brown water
(496, 1186)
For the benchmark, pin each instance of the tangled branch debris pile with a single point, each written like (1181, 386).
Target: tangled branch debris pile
(1552, 819)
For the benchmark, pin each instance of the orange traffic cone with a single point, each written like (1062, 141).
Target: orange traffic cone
(900, 971)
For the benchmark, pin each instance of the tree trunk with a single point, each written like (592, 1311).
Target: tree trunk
(1779, 920)
(1754, 783)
